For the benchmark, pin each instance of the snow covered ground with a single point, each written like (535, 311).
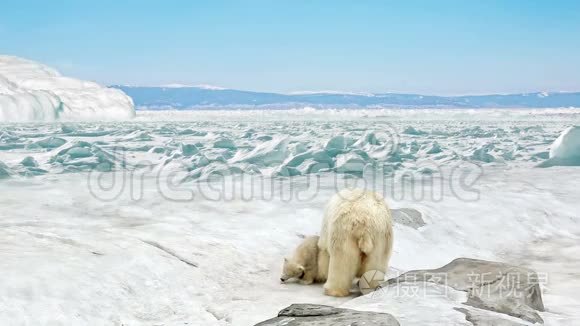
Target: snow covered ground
(192, 225)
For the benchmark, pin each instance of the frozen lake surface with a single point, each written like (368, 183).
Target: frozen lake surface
(184, 217)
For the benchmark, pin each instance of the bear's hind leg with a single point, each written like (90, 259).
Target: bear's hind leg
(361, 269)
(375, 261)
(342, 269)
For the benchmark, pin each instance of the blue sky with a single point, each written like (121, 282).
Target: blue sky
(429, 47)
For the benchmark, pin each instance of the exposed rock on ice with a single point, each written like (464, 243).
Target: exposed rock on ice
(485, 292)
(480, 318)
(30, 91)
(409, 217)
(311, 314)
(498, 287)
(566, 149)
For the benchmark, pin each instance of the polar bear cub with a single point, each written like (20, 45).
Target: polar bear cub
(307, 264)
(357, 236)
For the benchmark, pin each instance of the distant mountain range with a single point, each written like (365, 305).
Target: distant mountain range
(183, 97)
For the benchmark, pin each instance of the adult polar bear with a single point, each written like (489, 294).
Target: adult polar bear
(356, 237)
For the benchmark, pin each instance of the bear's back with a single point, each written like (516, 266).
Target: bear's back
(351, 210)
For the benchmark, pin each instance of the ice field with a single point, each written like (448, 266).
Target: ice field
(178, 218)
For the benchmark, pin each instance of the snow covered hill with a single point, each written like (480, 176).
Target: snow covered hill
(191, 97)
(30, 91)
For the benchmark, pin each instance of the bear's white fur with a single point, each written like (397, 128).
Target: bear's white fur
(356, 237)
(305, 264)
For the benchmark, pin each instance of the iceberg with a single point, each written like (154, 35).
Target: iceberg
(565, 151)
(30, 91)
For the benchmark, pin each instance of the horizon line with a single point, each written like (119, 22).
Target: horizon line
(209, 87)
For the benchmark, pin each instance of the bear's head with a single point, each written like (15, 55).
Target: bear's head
(291, 270)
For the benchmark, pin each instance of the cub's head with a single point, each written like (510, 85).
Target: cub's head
(291, 270)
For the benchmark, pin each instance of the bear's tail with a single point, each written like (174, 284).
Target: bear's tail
(365, 243)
